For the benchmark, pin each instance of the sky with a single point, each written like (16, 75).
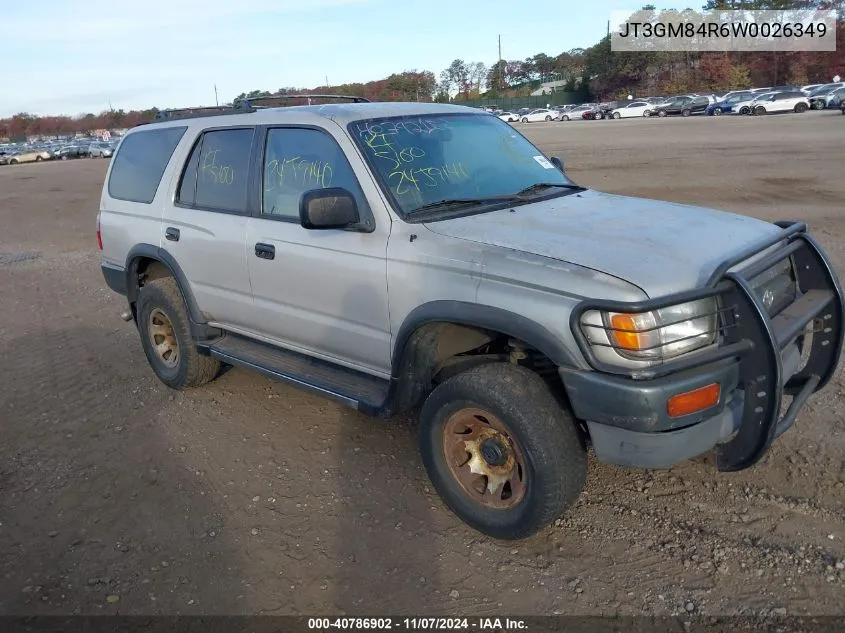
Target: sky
(75, 56)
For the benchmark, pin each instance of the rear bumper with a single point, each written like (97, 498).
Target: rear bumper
(115, 277)
(759, 359)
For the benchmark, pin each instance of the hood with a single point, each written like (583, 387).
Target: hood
(661, 247)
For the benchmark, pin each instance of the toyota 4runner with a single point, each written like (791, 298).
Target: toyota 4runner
(403, 255)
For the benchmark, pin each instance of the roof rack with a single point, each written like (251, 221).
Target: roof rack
(245, 105)
(249, 102)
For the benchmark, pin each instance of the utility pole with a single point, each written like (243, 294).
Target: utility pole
(216, 100)
(327, 81)
(501, 70)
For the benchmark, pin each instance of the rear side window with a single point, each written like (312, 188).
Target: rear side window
(216, 174)
(140, 163)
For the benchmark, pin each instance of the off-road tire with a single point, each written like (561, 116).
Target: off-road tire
(192, 369)
(555, 455)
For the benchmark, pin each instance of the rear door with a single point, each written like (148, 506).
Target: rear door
(204, 227)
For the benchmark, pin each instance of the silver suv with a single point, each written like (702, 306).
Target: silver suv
(404, 255)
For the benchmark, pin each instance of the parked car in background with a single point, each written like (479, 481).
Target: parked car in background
(72, 151)
(774, 102)
(835, 98)
(540, 114)
(825, 97)
(510, 117)
(632, 109)
(728, 104)
(100, 150)
(29, 156)
(575, 113)
(684, 106)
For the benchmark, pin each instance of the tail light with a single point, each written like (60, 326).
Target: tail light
(99, 235)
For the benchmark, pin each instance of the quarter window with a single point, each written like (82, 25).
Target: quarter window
(140, 163)
(298, 160)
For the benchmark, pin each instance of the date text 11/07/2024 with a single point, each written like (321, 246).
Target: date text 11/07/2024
(417, 624)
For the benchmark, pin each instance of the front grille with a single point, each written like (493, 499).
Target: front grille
(776, 287)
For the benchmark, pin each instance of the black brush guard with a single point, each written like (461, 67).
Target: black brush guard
(756, 340)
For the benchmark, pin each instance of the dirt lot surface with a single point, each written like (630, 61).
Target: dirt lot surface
(248, 496)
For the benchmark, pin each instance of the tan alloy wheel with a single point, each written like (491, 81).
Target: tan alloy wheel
(163, 338)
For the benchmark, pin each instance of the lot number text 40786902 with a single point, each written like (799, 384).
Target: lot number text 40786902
(416, 624)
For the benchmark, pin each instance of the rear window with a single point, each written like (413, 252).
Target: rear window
(140, 163)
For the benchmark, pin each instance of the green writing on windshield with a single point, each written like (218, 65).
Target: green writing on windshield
(412, 179)
(407, 166)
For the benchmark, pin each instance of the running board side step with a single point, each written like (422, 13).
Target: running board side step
(361, 391)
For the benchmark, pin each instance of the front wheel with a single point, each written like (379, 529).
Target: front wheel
(685, 112)
(166, 337)
(38, 159)
(800, 107)
(505, 457)
(616, 115)
(759, 110)
(647, 113)
(661, 113)
(565, 117)
(548, 118)
(717, 111)
(524, 120)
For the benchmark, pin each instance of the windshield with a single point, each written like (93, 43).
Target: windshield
(422, 160)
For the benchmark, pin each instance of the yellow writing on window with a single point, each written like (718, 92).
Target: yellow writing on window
(210, 169)
(413, 179)
(297, 172)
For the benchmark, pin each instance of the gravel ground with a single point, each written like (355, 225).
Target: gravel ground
(248, 496)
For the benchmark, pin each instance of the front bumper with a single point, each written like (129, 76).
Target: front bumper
(758, 360)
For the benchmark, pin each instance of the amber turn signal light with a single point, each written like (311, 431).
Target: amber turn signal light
(693, 401)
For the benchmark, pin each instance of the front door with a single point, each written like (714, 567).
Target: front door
(323, 292)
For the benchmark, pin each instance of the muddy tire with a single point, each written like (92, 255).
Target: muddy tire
(165, 332)
(500, 450)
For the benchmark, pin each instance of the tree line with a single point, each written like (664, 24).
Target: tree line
(603, 73)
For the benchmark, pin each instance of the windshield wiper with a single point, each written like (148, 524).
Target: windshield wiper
(545, 185)
(453, 202)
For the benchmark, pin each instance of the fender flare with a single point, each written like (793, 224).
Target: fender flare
(149, 251)
(483, 316)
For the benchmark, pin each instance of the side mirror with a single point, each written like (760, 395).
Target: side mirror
(557, 162)
(329, 208)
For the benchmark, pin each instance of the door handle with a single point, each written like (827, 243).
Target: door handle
(265, 251)
(171, 234)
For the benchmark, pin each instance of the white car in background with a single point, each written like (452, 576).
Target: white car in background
(510, 117)
(745, 107)
(540, 114)
(633, 109)
(788, 101)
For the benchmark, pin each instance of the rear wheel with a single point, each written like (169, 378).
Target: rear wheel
(759, 110)
(661, 113)
(505, 457)
(744, 110)
(616, 115)
(524, 119)
(548, 118)
(565, 117)
(647, 113)
(717, 111)
(800, 107)
(38, 159)
(166, 337)
(686, 112)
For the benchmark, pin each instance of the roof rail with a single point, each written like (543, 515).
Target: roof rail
(185, 113)
(249, 102)
(243, 105)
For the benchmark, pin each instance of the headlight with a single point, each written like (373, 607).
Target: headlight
(654, 336)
